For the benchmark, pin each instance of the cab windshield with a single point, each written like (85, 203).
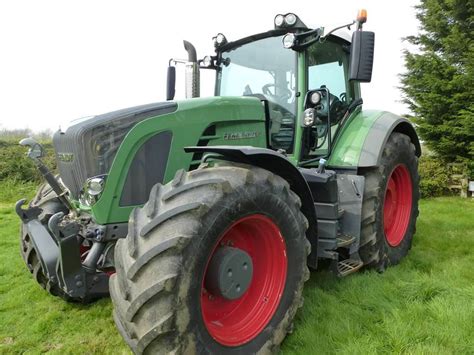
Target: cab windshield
(264, 67)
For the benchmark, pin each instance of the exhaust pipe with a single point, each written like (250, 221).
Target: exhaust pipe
(192, 72)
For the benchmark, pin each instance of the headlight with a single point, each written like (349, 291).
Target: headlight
(94, 186)
(207, 61)
(219, 40)
(308, 117)
(279, 20)
(289, 40)
(290, 19)
(315, 98)
(92, 190)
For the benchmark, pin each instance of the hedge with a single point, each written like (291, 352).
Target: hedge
(14, 165)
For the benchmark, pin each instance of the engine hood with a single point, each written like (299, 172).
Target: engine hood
(87, 148)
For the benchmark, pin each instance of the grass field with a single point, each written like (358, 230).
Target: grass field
(424, 306)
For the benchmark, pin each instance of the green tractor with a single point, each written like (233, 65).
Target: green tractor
(202, 216)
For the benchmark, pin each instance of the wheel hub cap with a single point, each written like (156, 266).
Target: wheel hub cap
(229, 273)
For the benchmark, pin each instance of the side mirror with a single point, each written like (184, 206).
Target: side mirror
(170, 83)
(362, 56)
(36, 151)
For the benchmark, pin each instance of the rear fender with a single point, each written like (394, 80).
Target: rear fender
(278, 164)
(362, 139)
(378, 135)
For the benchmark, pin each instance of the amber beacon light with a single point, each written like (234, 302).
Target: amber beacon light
(362, 16)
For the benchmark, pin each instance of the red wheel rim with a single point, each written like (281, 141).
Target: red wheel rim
(397, 205)
(236, 322)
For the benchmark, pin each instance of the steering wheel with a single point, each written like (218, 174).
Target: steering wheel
(343, 97)
(285, 96)
(334, 106)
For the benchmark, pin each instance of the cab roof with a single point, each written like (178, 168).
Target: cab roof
(341, 33)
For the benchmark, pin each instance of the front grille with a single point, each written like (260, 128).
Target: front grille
(70, 169)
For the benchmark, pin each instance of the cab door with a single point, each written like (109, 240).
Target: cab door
(327, 71)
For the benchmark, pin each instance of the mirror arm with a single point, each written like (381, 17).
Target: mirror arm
(301, 36)
(51, 180)
(35, 155)
(348, 26)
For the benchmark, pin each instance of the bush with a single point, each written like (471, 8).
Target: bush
(16, 166)
(434, 176)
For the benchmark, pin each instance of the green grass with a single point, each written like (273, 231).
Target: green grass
(11, 191)
(424, 305)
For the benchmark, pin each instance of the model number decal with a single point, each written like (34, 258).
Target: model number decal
(66, 157)
(240, 135)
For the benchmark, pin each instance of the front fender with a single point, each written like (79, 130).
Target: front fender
(362, 139)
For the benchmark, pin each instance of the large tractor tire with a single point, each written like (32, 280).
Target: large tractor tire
(213, 263)
(47, 199)
(390, 205)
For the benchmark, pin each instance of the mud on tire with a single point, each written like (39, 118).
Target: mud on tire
(160, 266)
(375, 251)
(49, 202)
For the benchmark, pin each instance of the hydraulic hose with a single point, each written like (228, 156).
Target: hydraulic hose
(90, 264)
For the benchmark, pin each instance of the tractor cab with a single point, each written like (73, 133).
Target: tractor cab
(307, 79)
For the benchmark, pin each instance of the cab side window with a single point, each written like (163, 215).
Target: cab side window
(327, 66)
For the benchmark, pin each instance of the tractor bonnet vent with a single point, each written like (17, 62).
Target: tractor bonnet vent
(208, 134)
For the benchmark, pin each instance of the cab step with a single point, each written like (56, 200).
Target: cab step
(343, 240)
(331, 244)
(348, 266)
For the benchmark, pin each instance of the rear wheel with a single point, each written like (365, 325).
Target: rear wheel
(214, 263)
(390, 205)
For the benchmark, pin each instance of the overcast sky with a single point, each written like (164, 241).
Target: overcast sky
(62, 60)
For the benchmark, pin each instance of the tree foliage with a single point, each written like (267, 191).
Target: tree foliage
(439, 83)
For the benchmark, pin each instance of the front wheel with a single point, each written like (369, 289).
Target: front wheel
(214, 263)
(390, 205)
(50, 204)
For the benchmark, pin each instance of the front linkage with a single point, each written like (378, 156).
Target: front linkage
(74, 254)
(58, 250)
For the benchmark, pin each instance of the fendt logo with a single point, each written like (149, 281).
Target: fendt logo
(240, 135)
(65, 157)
